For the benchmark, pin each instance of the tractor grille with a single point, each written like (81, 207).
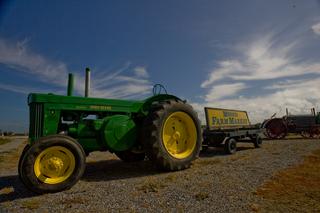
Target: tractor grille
(36, 120)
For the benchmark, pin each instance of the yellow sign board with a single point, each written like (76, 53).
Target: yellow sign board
(226, 118)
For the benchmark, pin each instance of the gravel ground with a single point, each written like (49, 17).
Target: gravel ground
(215, 182)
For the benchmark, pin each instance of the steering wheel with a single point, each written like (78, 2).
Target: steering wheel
(159, 89)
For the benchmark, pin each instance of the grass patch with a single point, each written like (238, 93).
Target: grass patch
(6, 190)
(31, 204)
(201, 196)
(171, 178)
(70, 202)
(239, 157)
(151, 185)
(4, 140)
(255, 207)
(202, 162)
(296, 188)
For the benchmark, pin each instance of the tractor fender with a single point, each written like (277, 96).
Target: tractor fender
(145, 109)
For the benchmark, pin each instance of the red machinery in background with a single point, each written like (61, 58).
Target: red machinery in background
(306, 125)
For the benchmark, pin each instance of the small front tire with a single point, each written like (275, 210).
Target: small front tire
(25, 149)
(52, 164)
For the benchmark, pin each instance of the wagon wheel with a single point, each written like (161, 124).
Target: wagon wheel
(263, 126)
(315, 132)
(305, 134)
(276, 129)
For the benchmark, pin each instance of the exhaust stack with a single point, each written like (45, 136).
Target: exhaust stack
(70, 84)
(87, 83)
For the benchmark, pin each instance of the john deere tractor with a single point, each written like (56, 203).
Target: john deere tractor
(65, 129)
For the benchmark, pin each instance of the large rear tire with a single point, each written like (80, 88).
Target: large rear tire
(172, 135)
(52, 164)
(276, 128)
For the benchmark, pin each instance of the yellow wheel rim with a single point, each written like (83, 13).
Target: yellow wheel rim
(179, 135)
(54, 165)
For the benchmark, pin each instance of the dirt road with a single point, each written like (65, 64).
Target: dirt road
(14, 144)
(215, 182)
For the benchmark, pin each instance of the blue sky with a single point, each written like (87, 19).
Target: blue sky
(259, 56)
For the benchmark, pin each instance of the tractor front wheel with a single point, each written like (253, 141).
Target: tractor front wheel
(25, 149)
(172, 135)
(52, 164)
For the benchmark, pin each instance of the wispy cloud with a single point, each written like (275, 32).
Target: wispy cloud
(264, 61)
(26, 89)
(126, 81)
(316, 28)
(261, 60)
(224, 91)
(141, 72)
(118, 85)
(17, 56)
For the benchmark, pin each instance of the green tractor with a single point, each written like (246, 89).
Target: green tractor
(65, 129)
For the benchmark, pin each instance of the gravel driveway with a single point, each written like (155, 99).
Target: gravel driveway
(216, 182)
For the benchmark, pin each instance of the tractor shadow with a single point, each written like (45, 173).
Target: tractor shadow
(219, 151)
(107, 170)
(12, 189)
(114, 169)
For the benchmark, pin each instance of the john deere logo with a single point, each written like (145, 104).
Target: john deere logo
(97, 107)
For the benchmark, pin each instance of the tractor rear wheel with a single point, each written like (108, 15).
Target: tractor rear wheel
(276, 128)
(129, 156)
(172, 135)
(52, 164)
(315, 132)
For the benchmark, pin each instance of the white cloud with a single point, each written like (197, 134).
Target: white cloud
(118, 85)
(299, 98)
(223, 91)
(316, 28)
(260, 62)
(225, 68)
(141, 72)
(25, 89)
(17, 56)
(105, 84)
